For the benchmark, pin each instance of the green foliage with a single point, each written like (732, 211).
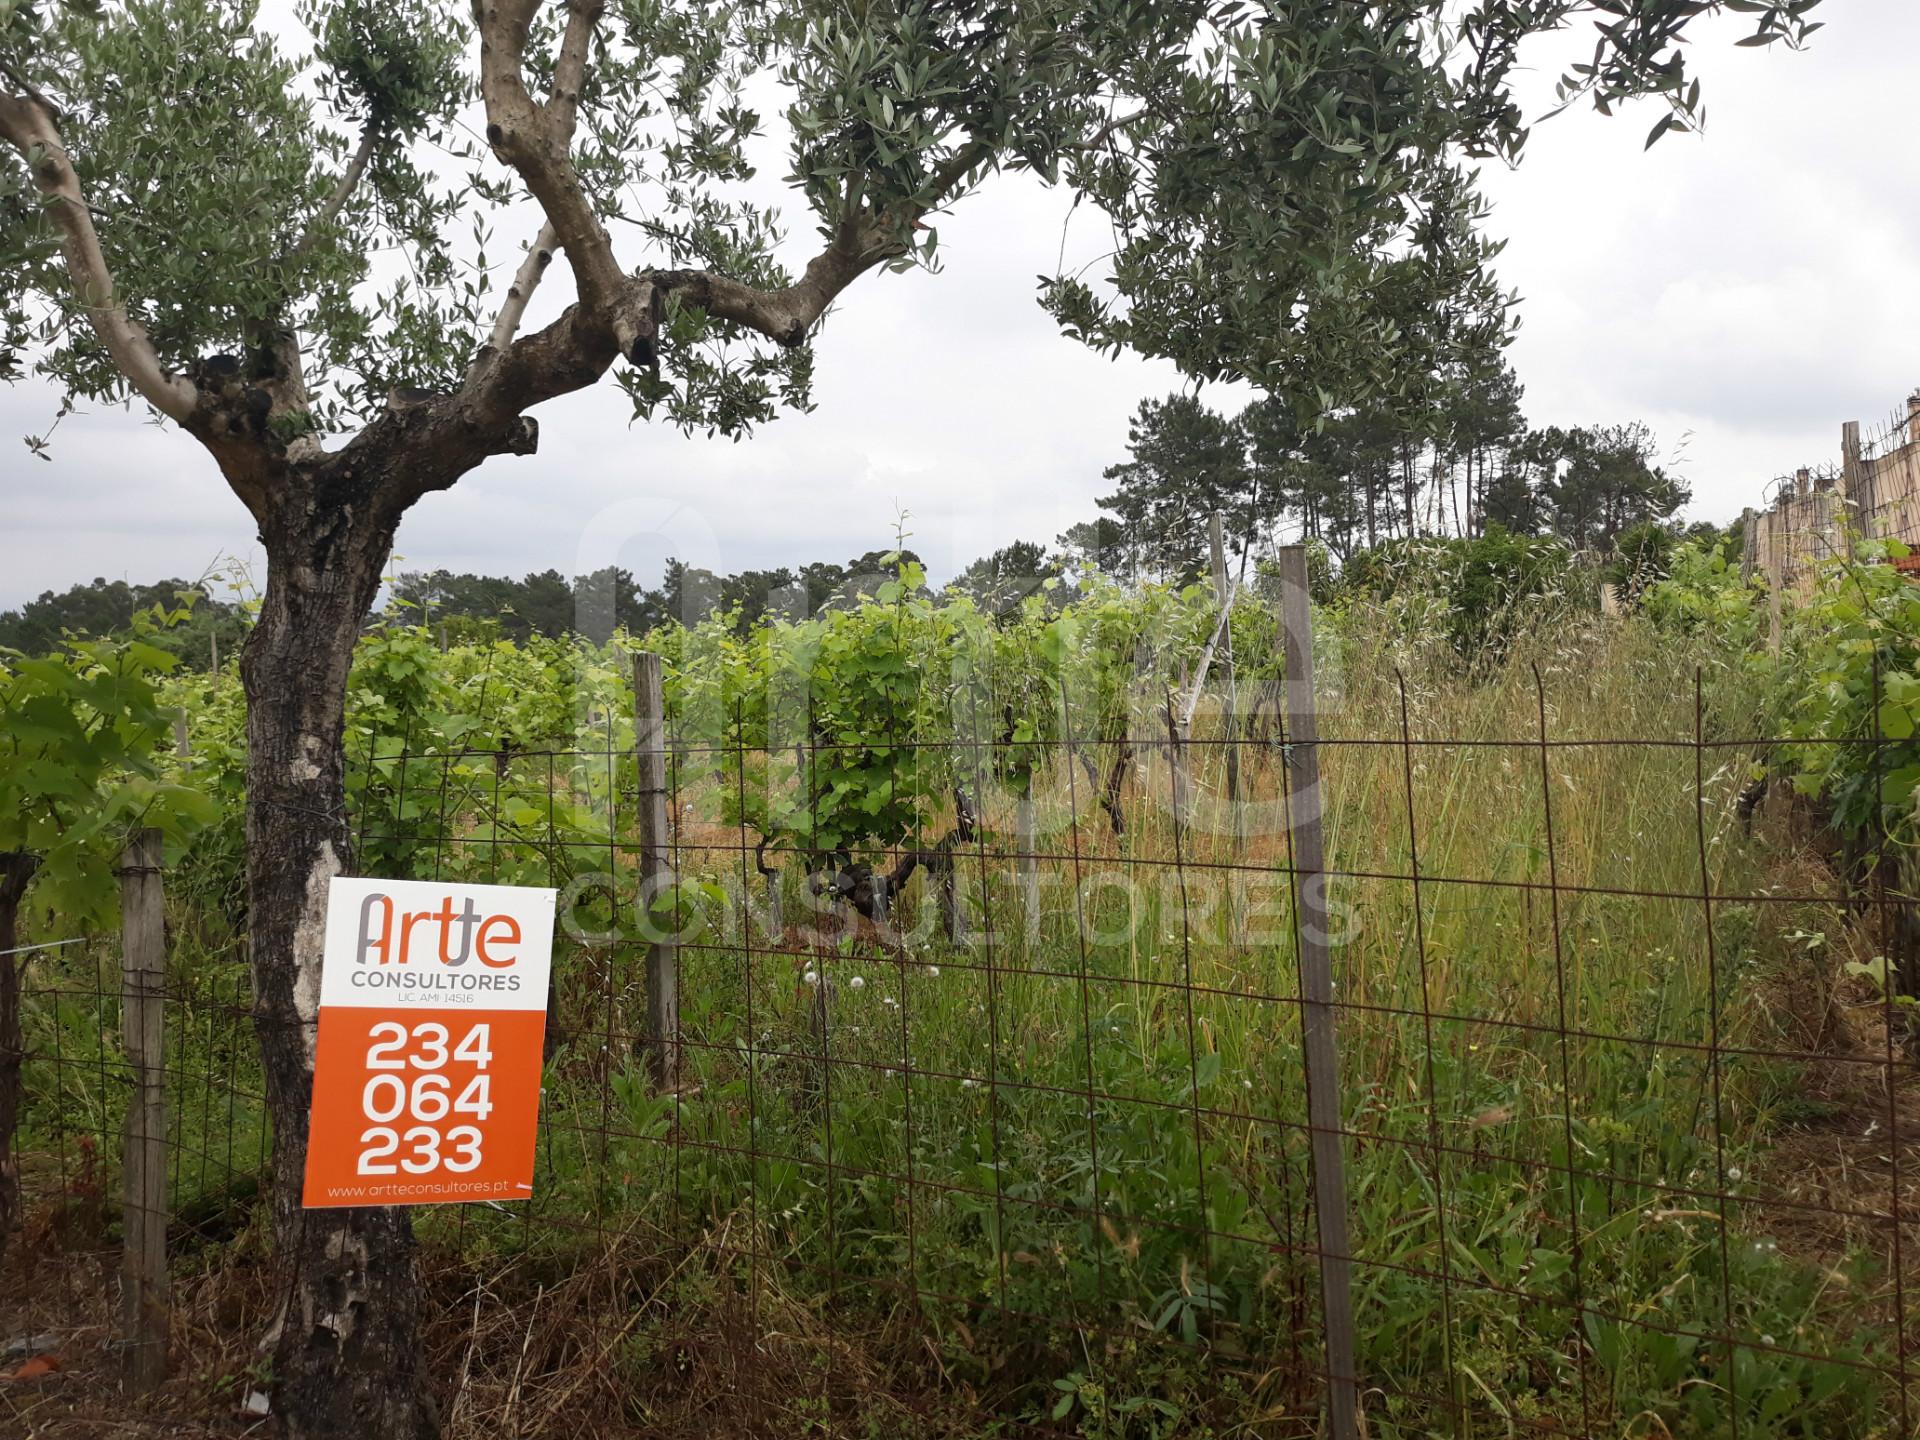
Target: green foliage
(1335, 129)
(1480, 593)
(999, 582)
(1252, 166)
(858, 723)
(1853, 650)
(383, 66)
(153, 91)
(1454, 454)
(484, 607)
(1842, 688)
(1642, 556)
(1602, 482)
(1284, 187)
(1022, 692)
(1702, 593)
(847, 717)
(78, 731)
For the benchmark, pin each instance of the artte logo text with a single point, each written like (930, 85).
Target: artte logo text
(393, 936)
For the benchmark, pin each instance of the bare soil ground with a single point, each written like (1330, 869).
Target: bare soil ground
(1849, 1165)
(633, 1345)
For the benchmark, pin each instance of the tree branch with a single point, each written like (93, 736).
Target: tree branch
(27, 124)
(27, 88)
(862, 240)
(570, 69)
(443, 437)
(1107, 131)
(786, 315)
(525, 281)
(534, 140)
(962, 163)
(289, 385)
(343, 189)
(568, 355)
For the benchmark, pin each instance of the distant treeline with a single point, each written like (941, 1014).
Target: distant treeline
(467, 606)
(212, 632)
(1360, 482)
(595, 605)
(1487, 571)
(1462, 466)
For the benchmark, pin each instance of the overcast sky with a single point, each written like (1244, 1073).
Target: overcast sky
(1742, 292)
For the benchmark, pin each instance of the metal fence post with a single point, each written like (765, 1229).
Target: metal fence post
(661, 1032)
(1311, 926)
(143, 1262)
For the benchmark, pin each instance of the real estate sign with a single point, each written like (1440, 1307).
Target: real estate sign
(433, 1002)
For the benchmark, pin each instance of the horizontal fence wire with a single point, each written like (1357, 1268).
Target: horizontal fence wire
(1624, 1135)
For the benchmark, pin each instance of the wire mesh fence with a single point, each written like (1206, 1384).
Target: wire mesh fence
(1621, 1100)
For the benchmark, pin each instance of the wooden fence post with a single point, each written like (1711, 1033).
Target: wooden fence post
(1223, 593)
(1177, 736)
(143, 1258)
(661, 1033)
(1029, 843)
(1180, 702)
(1216, 539)
(1311, 925)
(776, 910)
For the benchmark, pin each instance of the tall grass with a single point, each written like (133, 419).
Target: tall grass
(1556, 1131)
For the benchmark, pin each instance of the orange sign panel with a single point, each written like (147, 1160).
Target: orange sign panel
(426, 1083)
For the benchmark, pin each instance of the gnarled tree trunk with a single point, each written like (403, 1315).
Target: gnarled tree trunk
(345, 1360)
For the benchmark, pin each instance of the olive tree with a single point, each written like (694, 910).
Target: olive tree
(201, 209)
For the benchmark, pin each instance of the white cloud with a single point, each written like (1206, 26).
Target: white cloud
(1748, 290)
